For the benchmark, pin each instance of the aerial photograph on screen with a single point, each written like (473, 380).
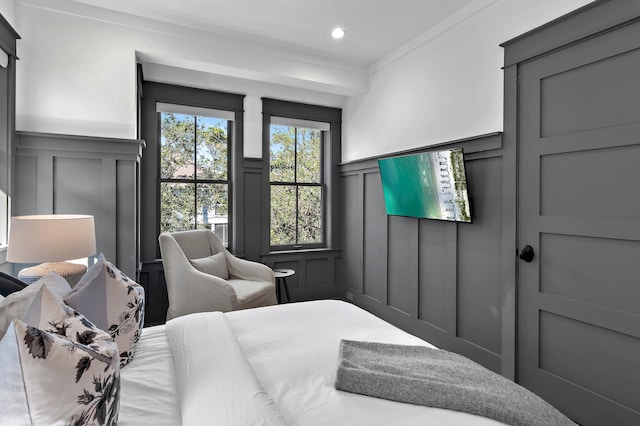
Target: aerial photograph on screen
(430, 185)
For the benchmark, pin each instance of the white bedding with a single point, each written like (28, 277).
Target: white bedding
(290, 351)
(148, 383)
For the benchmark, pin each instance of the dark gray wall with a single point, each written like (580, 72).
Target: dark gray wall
(449, 283)
(572, 90)
(57, 174)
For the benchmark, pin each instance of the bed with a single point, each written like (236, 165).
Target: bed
(271, 365)
(325, 362)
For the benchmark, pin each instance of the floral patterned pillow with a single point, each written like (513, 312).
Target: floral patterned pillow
(113, 302)
(56, 367)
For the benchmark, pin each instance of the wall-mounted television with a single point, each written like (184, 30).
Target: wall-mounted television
(431, 185)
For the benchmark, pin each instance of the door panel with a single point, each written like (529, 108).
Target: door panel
(579, 208)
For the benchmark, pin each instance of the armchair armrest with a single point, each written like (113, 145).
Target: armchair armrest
(249, 270)
(200, 293)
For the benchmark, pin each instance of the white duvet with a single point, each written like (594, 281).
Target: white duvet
(270, 366)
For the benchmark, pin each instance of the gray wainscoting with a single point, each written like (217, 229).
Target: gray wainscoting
(315, 276)
(449, 283)
(151, 278)
(57, 174)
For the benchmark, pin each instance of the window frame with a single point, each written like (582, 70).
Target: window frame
(297, 245)
(195, 180)
(150, 94)
(331, 154)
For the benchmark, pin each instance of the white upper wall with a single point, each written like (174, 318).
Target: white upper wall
(449, 88)
(77, 68)
(77, 74)
(8, 9)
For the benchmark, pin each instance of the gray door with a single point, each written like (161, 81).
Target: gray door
(579, 209)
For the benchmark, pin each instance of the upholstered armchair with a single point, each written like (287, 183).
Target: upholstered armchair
(201, 275)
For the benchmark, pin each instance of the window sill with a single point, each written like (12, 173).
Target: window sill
(297, 251)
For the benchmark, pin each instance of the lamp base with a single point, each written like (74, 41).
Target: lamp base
(72, 272)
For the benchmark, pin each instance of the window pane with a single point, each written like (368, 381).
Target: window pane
(213, 209)
(282, 160)
(283, 214)
(211, 148)
(177, 146)
(308, 161)
(177, 206)
(309, 214)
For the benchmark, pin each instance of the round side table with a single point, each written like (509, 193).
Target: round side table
(281, 276)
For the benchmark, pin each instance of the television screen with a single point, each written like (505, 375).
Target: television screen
(431, 185)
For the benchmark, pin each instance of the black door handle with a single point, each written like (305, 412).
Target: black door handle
(526, 253)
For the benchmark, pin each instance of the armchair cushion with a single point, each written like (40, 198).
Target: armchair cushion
(213, 265)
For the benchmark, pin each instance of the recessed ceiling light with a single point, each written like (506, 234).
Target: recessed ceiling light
(337, 33)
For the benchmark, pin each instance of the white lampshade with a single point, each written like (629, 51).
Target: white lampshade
(51, 238)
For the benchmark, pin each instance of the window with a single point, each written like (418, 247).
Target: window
(194, 169)
(296, 184)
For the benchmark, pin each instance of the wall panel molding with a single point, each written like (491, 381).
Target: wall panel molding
(57, 174)
(449, 283)
(315, 276)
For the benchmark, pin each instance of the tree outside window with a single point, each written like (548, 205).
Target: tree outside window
(194, 174)
(296, 186)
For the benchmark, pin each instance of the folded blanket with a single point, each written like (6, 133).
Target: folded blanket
(437, 378)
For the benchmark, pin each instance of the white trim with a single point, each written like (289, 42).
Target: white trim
(193, 110)
(306, 124)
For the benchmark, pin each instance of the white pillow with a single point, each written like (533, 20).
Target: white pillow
(60, 369)
(113, 302)
(213, 265)
(14, 305)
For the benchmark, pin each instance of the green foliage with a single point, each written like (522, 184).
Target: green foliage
(308, 156)
(283, 214)
(283, 154)
(194, 174)
(193, 149)
(296, 210)
(309, 214)
(177, 212)
(177, 146)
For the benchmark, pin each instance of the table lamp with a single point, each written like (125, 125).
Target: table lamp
(51, 239)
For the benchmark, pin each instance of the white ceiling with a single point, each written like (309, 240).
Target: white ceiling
(375, 28)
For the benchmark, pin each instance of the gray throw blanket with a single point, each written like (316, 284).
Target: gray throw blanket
(437, 378)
